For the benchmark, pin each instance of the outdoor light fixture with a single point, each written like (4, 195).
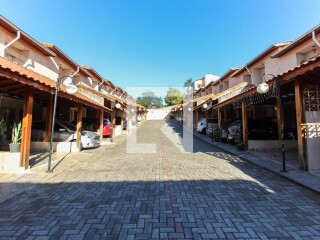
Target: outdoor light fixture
(118, 105)
(189, 109)
(180, 109)
(132, 109)
(70, 89)
(205, 106)
(264, 88)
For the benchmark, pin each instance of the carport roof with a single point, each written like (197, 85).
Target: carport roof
(26, 76)
(285, 77)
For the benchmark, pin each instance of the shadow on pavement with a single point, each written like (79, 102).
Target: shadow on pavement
(159, 209)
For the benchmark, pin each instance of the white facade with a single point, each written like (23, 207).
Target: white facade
(27, 56)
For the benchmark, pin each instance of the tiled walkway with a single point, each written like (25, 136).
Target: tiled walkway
(269, 160)
(209, 194)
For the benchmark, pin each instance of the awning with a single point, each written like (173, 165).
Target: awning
(13, 71)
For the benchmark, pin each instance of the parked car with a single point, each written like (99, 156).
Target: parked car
(201, 126)
(107, 128)
(257, 130)
(224, 128)
(179, 120)
(65, 132)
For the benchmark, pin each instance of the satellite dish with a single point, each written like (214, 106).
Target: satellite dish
(67, 81)
(71, 89)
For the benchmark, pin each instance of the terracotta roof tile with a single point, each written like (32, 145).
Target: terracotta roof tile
(22, 71)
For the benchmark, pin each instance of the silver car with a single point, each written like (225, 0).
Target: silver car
(65, 132)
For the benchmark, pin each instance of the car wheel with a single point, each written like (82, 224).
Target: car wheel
(203, 131)
(81, 147)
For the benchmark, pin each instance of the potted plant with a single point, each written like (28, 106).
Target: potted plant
(16, 138)
(216, 134)
(3, 130)
(240, 144)
(224, 135)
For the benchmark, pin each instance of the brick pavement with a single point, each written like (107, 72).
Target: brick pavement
(208, 194)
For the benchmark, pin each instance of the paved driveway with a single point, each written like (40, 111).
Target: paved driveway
(164, 195)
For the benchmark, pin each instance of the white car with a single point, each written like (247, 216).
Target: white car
(65, 132)
(202, 125)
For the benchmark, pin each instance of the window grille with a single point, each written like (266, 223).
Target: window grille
(311, 97)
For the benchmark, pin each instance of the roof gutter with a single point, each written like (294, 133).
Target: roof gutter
(13, 41)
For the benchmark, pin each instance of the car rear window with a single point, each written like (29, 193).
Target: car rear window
(71, 126)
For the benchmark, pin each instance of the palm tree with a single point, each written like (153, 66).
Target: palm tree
(188, 82)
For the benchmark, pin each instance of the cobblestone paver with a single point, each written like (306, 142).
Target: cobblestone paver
(168, 195)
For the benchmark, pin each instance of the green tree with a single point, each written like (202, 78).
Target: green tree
(149, 100)
(174, 97)
(188, 82)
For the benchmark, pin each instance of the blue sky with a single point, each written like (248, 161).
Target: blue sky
(160, 43)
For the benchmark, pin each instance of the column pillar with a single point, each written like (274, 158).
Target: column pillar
(244, 125)
(79, 126)
(278, 118)
(101, 124)
(114, 115)
(47, 134)
(197, 117)
(219, 118)
(26, 128)
(206, 113)
(301, 128)
(122, 121)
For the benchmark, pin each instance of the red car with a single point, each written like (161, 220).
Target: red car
(107, 128)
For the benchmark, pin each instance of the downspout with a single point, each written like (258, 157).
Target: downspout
(248, 70)
(314, 39)
(78, 69)
(13, 41)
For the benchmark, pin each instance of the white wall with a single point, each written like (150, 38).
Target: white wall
(158, 114)
(271, 144)
(257, 75)
(27, 55)
(290, 59)
(313, 140)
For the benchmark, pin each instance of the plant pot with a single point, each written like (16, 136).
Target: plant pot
(14, 147)
(3, 137)
(224, 140)
(241, 147)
